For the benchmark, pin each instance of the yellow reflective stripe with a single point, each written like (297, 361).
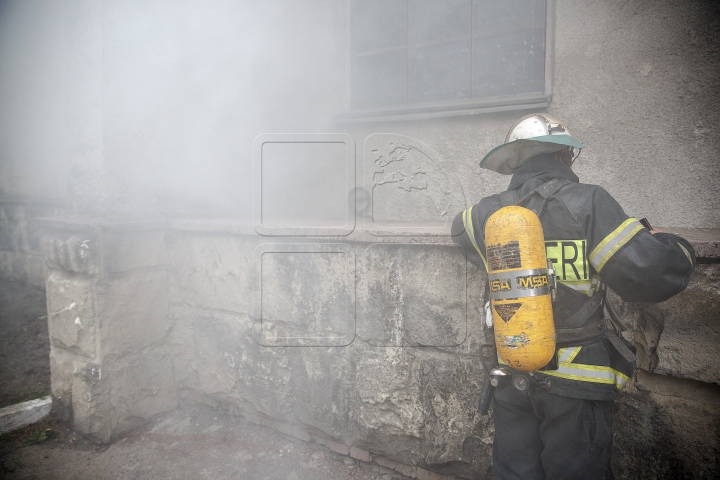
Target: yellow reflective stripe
(595, 285)
(610, 244)
(581, 372)
(587, 287)
(582, 287)
(467, 223)
(687, 254)
(568, 354)
(589, 373)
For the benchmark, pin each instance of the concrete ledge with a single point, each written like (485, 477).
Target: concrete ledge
(23, 414)
(705, 241)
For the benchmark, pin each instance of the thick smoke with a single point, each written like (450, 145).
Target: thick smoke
(150, 108)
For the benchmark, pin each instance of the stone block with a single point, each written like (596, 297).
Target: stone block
(74, 251)
(284, 428)
(320, 440)
(201, 398)
(23, 414)
(132, 311)
(113, 398)
(338, 447)
(360, 454)
(322, 388)
(140, 387)
(251, 417)
(72, 321)
(420, 403)
(129, 249)
(680, 337)
(267, 422)
(388, 390)
(399, 301)
(422, 474)
(690, 343)
(450, 390)
(387, 408)
(666, 428)
(212, 270)
(220, 357)
(406, 470)
(300, 434)
(62, 368)
(90, 403)
(304, 294)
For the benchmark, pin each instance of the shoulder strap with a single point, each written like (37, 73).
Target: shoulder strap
(545, 191)
(550, 188)
(507, 198)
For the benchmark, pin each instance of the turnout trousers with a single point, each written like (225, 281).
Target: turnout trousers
(543, 436)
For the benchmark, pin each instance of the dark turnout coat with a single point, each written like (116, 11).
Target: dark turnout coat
(591, 242)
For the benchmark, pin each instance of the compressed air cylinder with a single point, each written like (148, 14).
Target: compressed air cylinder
(519, 288)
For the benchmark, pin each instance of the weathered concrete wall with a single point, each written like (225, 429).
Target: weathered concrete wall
(667, 428)
(108, 322)
(668, 424)
(374, 358)
(345, 341)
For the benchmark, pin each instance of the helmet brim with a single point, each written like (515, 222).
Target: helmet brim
(508, 157)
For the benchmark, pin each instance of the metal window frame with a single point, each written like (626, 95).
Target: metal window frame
(535, 101)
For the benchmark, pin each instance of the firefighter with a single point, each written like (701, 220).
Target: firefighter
(559, 426)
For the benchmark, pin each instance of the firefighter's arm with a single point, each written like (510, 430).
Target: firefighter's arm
(637, 265)
(465, 235)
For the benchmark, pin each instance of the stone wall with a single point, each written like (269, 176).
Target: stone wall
(668, 425)
(109, 326)
(346, 341)
(379, 371)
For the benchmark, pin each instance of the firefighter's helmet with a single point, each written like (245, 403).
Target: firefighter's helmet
(532, 135)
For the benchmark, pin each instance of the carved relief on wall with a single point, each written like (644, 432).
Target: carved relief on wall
(407, 187)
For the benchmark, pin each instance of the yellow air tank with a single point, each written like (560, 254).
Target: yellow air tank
(520, 288)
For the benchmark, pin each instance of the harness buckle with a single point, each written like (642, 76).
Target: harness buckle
(552, 280)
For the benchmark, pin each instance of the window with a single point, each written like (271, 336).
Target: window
(410, 56)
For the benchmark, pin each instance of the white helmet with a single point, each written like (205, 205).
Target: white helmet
(532, 135)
